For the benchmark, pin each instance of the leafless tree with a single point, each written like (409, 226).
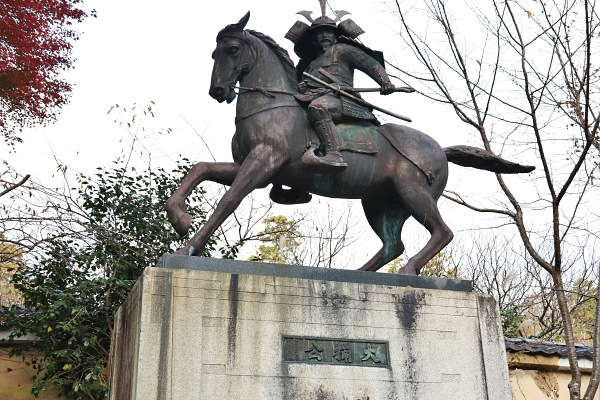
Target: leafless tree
(527, 84)
(33, 215)
(328, 230)
(498, 266)
(321, 237)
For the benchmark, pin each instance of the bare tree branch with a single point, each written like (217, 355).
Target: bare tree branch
(16, 185)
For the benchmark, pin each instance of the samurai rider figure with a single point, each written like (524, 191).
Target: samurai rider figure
(330, 47)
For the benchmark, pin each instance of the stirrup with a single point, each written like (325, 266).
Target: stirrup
(322, 164)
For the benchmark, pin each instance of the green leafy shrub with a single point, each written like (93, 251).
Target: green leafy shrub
(72, 291)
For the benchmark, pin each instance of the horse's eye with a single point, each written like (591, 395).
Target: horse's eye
(234, 50)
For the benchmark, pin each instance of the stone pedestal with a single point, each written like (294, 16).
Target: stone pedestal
(195, 329)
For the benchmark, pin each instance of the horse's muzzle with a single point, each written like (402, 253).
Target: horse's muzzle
(221, 94)
(217, 93)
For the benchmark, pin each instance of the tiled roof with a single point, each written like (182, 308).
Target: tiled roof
(514, 345)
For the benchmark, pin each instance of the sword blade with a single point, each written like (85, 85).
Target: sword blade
(335, 80)
(398, 89)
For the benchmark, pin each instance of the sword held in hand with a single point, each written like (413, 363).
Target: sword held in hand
(336, 81)
(364, 90)
(341, 92)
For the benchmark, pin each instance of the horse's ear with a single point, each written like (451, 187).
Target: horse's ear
(242, 23)
(239, 27)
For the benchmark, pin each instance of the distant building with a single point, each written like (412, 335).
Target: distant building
(540, 369)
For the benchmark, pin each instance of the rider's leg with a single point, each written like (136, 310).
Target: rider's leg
(322, 112)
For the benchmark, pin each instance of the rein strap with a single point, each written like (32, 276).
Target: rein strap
(266, 91)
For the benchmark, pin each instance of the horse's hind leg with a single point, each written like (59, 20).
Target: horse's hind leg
(223, 173)
(424, 209)
(387, 222)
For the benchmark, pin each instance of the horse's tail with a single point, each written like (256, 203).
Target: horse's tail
(467, 156)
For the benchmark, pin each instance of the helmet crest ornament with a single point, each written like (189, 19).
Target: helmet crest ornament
(307, 15)
(323, 20)
(339, 14)
(323, 6)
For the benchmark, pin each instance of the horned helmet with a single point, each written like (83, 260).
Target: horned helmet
(300, 33)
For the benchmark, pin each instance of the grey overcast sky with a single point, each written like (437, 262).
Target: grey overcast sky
(137, 51)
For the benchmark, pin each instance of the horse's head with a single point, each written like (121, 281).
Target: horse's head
(233, 59)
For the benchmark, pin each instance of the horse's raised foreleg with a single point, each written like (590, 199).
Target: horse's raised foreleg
(387, 222)
(223, 173)
(424, 209)
(260, 165)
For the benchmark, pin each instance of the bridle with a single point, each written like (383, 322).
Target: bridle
(268, 92)
(243, 69)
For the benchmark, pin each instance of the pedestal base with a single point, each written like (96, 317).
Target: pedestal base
(204, 329)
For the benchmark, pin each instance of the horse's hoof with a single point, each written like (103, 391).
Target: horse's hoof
(407, 271)
(182, 252)
(178, 217)
(183, 224)
(190, 251)
(365, 268)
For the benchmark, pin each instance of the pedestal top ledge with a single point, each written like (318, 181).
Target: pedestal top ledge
(172, 261)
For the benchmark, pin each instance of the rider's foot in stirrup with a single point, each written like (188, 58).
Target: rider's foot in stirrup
(333, 159)
(329, 163)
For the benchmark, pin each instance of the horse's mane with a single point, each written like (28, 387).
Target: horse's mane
(282, 54)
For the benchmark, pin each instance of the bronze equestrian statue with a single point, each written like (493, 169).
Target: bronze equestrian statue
(397, 172)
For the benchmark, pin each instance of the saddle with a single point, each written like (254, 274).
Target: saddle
(361, 137)
(356, 136)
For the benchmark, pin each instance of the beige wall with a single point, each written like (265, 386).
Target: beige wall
(537, 377)
(15, 378)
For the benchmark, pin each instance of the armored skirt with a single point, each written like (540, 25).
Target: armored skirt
(349, 107)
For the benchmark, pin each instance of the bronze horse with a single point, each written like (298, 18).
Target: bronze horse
(270, 139)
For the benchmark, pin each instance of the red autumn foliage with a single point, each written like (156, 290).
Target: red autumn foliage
(35, 47)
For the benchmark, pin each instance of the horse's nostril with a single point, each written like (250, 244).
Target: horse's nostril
(219, 91)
